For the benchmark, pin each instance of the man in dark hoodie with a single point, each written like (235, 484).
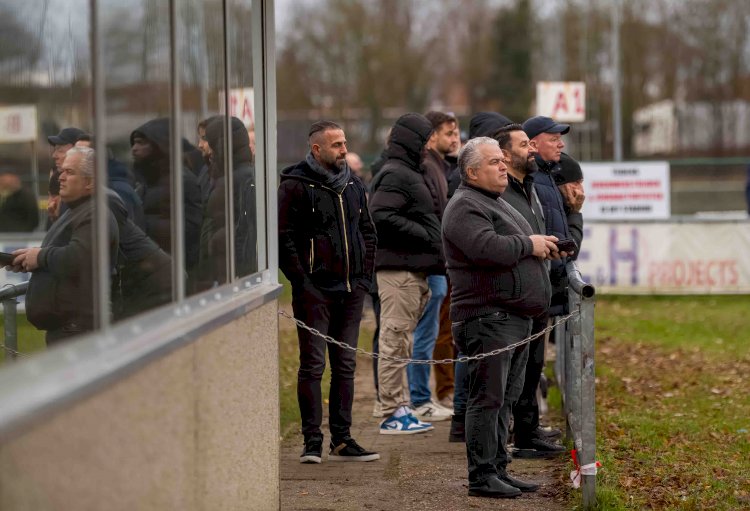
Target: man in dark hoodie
(214, 229)
(150, 147)
(326, 249)
(409, 249)
(499, 282)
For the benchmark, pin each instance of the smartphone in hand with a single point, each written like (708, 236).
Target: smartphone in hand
(568, 245)
(6, 259)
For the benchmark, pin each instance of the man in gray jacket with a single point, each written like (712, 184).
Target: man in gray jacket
(499, 283)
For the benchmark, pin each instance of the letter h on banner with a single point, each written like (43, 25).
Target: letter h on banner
(623, 255)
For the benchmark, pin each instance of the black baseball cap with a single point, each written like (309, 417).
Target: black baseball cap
(569, 170)
(66, 136)
(541, 124)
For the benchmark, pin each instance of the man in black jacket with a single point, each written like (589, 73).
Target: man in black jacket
(530, 439)
(499, 282)
(409, 250)
(326, 249)
(150, 147)
(60, 297)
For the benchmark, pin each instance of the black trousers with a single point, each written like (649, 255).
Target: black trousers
(337, 315)
(494, 385)
(526, 410)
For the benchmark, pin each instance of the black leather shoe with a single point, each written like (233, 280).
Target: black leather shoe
(517, 483)
(458, 429)
(537, 448)
(494, 488)
(546, 434)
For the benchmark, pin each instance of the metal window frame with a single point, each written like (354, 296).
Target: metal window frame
(47, 382)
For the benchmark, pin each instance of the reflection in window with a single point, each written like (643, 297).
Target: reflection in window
(241, 106)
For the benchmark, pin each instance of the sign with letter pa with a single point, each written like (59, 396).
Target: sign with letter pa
(563, 101)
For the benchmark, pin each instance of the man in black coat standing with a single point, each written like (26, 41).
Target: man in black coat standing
(326, 249)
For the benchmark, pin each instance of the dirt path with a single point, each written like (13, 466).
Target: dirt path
(416, 472)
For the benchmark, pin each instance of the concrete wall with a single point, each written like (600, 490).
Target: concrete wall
(197, 429)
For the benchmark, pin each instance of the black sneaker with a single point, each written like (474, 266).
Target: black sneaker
(546, 433)
(537, 448)
(313, 451)
(349, 450)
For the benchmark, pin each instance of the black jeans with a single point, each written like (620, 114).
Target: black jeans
(337, 315)
(526, 410)
(494, 384)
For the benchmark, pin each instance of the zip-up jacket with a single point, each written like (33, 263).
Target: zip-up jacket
(325, 238)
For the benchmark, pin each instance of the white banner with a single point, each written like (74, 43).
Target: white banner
(563, 101)
(626, 190)
(667, 258)
(18, 123)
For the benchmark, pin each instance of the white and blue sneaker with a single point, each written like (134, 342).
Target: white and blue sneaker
(406, 424)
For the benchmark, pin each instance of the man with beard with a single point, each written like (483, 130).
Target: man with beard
(150, 147)
(327, 250)
(530, 439)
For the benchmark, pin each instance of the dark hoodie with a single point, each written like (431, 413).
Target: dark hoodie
(153, 178)
(402, 206)
(213, 230)
(486, 124)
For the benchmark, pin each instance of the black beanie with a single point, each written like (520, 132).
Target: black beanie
(569, 171)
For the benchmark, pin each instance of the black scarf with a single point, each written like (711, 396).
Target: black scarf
(336, 181)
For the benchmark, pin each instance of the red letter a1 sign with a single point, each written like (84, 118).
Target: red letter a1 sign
(563, 101)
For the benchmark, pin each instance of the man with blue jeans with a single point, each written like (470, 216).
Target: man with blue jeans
(499, 282)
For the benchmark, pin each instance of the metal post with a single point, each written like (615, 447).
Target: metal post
(10, 328)
(616, 87)
(228, 165)
(587, 452)
(175, 146)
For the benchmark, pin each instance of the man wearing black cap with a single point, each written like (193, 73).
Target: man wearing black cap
(569, 180)
(60, 143)
(545, 137)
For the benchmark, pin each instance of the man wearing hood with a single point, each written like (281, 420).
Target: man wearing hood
(409, 249)
(326, 249)
(214, 229)
(150, 147)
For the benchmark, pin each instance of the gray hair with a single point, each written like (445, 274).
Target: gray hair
(469, 155)
(88, 159)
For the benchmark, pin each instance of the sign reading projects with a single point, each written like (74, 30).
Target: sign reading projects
(626, 190)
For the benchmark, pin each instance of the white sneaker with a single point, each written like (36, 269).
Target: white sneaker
(447, 403)
(433, 412)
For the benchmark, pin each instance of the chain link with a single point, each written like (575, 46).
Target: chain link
(480, 356)
(12, 351)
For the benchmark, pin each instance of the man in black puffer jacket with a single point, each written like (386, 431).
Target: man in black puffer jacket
(409, 249)
(326, 249)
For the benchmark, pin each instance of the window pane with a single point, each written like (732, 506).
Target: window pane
(135, 56)
(242, 108)
(45, 93)
(203, 88)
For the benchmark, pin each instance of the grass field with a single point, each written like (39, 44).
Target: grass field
(673, 410)
(29, 338)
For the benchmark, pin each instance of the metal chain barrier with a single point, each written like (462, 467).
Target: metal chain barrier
(492, 353)
(12, 351)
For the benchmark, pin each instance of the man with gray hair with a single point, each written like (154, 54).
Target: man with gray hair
(499, 282)
(60, 297)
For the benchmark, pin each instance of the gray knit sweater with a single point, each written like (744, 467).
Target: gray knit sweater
(489, 258)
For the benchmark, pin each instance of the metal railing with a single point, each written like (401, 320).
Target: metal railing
(574, 371)
(8, 295)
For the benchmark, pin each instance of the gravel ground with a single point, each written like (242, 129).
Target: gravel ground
(416, 472)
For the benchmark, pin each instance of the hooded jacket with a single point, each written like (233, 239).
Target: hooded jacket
(326, 239)
(154, 190)
(214, 228)
(402, 206)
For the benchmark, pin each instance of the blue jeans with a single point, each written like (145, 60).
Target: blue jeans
(494, 385)
(425, 336)
(461, 386)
